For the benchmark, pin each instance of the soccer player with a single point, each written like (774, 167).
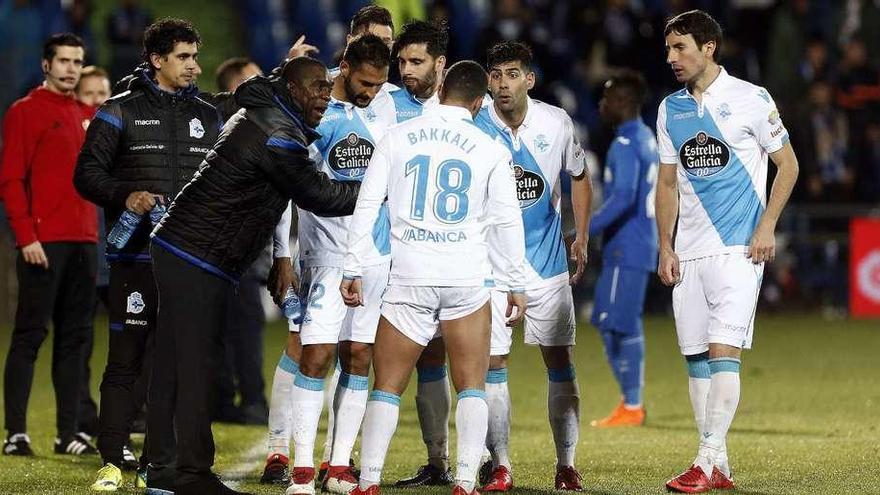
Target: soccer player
(714, 136)
(445, 181)
(129, 161)
(421, 58)
(371, 19)
(542, 140)
(55, 231)
(629, 248)
(349, 132)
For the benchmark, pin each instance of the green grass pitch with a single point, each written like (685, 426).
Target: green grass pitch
(807, 421)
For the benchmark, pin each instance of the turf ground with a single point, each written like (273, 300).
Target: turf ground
(807, 422)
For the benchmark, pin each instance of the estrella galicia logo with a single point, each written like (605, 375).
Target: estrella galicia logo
(529, 186)
(135, 303)
(349, 157)
(704, 155)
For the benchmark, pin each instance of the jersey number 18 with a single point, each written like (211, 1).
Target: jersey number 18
(452, 178)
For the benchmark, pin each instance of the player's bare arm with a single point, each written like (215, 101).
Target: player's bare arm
(763, 245)
(581, 198)
(666, 204)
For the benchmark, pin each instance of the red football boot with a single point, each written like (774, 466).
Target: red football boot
(720, 481)
(372, 490)
(568, 479)
(694, 480)
(457, 490)
(500, 481)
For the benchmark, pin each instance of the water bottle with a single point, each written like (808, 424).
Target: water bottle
(156, 213)
(291, 306)
(123, 229)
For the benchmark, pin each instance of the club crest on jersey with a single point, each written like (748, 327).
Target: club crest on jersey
(724, 111)
(196, 129)
(135, 303)
(541, 143)
(529, 186)
(704, 155)
(370, 114)
(349, 157)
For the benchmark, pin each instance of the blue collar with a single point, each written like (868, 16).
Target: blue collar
(629, 126)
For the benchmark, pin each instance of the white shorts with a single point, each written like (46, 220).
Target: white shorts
(417, 311)
(549, 319)
(327, 319)
(715, 302)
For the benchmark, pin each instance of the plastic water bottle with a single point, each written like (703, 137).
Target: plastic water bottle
(123, 229)
(291, 306)
(156, 213)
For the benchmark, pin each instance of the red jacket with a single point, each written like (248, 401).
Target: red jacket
(42, 135)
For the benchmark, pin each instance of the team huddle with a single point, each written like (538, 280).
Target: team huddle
(429, 225)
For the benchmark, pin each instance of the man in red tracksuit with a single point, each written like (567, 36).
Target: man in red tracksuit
(55, 231)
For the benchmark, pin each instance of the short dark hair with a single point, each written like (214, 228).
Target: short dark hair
(509, 51)
(229, 69)
(465, 81)
(295, 69)
(367, 49)
(371, 14)
(93, 71)
(700, 25)
(50, 46)
(161, 36)
(434, 35)
(631, 84)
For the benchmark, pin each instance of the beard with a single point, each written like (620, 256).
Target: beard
(421, 88)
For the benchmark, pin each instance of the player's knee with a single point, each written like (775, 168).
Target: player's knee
(294, 348)
(556, 357)
(355, 357)
(316, 359)
(433, 356)
(498, 362)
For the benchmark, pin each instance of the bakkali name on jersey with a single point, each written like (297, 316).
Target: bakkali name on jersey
(529, 186)
(349, 157)
(704, 155)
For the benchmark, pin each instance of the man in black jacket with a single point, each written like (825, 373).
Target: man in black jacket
(143, 146)
(212, 232)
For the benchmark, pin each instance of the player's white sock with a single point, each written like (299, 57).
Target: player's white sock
(350, 404)
(329, 400)
(563, 406)
(471, 422)
(498, 399)
(699, 382)
(380, 422)
(433, 402)
(720, 409)
(280, 409)
(308, 401)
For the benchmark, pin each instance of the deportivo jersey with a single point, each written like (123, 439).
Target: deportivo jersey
(408, 106)
(627, 215)
(544, 146)
(446, 182)
(720, 147)
(348, 137)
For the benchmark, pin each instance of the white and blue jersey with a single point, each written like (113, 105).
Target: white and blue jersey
(543, 147)
(720, 146)
(348, 137)
(408, 106)
(626, 218)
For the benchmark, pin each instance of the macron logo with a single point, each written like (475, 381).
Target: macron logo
(148, 122)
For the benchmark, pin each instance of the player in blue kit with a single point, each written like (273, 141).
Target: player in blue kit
(629, 247)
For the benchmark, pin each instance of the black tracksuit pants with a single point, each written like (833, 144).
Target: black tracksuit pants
(65, 295)
(188, 354)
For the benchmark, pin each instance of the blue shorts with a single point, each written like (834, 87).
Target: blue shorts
(620, 299)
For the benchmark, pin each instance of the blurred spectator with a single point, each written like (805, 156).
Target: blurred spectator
(868, 167)
(787, 38)
(821, 132)
(21, 36)
(125, 30)
(79, 13)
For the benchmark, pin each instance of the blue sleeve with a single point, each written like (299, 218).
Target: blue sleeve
(621, 195)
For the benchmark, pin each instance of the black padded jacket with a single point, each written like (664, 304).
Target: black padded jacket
(144, 139)
(224, 217)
